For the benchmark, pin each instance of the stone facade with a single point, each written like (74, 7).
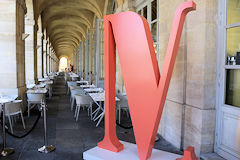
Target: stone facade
(12, 47)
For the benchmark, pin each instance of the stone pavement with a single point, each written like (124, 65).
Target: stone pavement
(70, 138)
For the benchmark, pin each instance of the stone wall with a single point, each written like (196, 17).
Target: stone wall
(12, 62)
(189, 115)
(201, 76)
(20, 48)
(171, 123)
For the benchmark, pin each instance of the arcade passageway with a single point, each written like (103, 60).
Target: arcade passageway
(55, 49)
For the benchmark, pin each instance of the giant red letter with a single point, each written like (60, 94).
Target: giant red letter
(146, 89)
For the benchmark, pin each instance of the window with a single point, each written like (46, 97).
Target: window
(149, 10)
(232, 53)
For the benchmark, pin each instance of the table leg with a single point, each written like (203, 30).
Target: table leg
(5, 151)
(97, 111)
(100, 119)
(97, 117)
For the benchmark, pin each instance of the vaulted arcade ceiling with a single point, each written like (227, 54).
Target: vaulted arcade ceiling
(67, 21)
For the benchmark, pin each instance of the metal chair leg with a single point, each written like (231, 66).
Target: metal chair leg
(72, 103)
(100, 119)
(23, 120)
(29, 109)
(75, 114)
(10, 123)
(78, 112)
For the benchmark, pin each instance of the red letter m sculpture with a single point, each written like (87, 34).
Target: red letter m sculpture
(146, 89)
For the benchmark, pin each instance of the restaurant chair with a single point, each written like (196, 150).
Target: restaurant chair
(82, 101)
(70, 83)
(34, 99)
(13, 109)
(49, 88)
(74, 88)
(75, 79)
(73, 93)
(122, 105)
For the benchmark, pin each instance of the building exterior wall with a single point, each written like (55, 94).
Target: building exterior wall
(20, 47)
(189, 114)
(8, 46)
(12, 62)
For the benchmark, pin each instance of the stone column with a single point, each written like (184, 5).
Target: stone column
(86, 58)
(39, 54)
(35, 56)
(52, 64)
(44, 56)
(83, 60)
(12, 66)
(49, 57)
(77, 60)
(90, 55)
(42, 50)
(29, 51)
(47, 52)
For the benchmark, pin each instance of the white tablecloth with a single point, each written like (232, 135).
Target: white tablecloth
(43, 79)
(87, 86)
(100, 96)
(37, 91)
(86, 82)
(93, 89)
(73, 75)
(7, 98)
(47, 82)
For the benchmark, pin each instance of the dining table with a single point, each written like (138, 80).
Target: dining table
(37, 91)
(30, 86)
(93, 90)
(88, 86)
(47, 82)
(43, 79)
(73, 75)
(82, 82)
(98, 99)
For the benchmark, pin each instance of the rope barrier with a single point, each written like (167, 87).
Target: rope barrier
(125, 127)
(27, 133)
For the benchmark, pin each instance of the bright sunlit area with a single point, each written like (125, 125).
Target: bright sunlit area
(63, 64)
